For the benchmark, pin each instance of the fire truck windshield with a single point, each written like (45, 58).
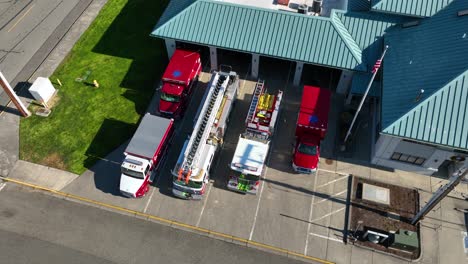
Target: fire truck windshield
(307, 149)
(191, 184)
(132, 173)
(170, 97)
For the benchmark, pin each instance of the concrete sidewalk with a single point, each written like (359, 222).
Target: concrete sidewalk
(9, 118)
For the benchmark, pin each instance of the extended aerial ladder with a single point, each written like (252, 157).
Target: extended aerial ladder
(263, 110)
(206, 120)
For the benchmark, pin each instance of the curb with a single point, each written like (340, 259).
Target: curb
(175, 224)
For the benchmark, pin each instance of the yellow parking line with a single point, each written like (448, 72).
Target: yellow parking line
(21, 18)
(171, 222)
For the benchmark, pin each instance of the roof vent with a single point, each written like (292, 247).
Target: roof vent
(462, 12)
(410, 24)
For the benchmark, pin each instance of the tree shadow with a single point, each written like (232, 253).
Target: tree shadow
(106, 166)
(129, 37)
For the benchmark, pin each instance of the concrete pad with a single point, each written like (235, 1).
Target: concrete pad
(338, 252)
(401, 178)
(360, 255)
(387, 259)
(283, 214)
(101, 183)
(429, 245)
(317, 246)
(451, 249)
(230, 213)
(354, 169)
(41, 175)
(452, 217)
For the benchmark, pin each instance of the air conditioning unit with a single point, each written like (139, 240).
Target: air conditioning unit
(302, 9)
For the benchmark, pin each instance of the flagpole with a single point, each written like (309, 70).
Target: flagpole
(13, 97)
(374, 71)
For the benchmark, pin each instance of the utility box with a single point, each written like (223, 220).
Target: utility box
(405, 240)
(42, 89)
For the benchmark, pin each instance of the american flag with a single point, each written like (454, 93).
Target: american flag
(376, 66)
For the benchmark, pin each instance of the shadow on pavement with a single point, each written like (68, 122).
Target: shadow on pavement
(106, 167)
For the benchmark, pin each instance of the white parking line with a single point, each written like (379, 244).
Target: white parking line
(327, 199)
(258, 207)
(335, 172)
(330, 182)
(204, 205)
(149, 200)
(325, 237)
(2, 185)
(327, 215)
(310, 213)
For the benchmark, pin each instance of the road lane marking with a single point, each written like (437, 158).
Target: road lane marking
(311, 212)
(327, 215)
(21, 18)
(204, 204)
(149, 200)
(326, 237)
(171, 223)
(330, 182)
(2, 185)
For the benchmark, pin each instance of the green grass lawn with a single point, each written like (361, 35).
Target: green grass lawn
(86, 122)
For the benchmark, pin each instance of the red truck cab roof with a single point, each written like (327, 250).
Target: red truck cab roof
(181, 67)
(314, 109)
(172, 88)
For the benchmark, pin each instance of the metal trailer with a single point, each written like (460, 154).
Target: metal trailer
(191, 172)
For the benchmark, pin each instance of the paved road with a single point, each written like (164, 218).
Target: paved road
(29, 30)
(39, 228)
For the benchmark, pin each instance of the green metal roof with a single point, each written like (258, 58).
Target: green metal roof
(367, 30)
(285, 35)
(418, 8)
(431, 56)
(358, 5)
(173, 8)
(441, 119)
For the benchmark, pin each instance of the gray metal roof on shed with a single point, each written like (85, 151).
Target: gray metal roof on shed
(148, 136)
(284, 35)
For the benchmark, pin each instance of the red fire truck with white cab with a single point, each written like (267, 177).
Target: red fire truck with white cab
(253, 146)
(311, 127)
(178, 80)
(144, 154)
(191, 172)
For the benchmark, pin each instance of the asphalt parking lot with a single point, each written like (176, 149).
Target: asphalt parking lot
(301, 213)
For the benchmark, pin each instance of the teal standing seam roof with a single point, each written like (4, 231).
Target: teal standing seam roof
(367, 30)
(417, 8)
(173, 8)
(284, 35)
(441, 119)
(431, 56)
(358, 5)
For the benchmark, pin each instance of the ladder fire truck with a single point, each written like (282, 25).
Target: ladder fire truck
(191, 172)
(253, 145)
